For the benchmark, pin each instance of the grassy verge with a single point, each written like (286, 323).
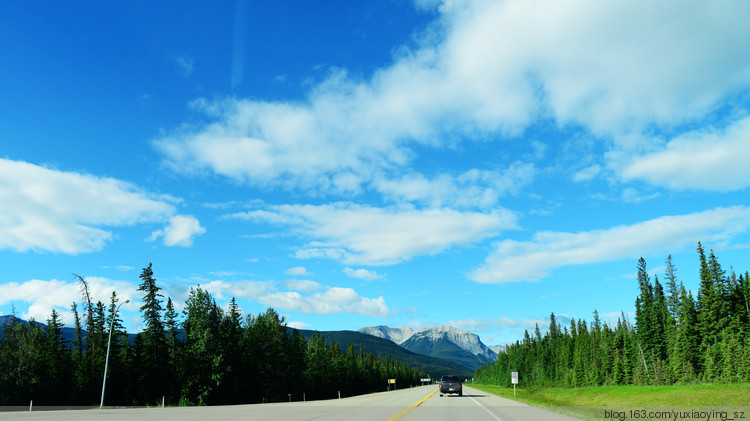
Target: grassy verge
(578, 402)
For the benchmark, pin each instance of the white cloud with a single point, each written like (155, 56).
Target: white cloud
(365, 235)
(224, 290)
(713, 160)
(43, 209)
(298, 325)
(180, 231)
(42, 296)
(334, 300)
(363, 274)
(473, 188)
(516, 261)
(613, 68)
(297, 271)
(587, 174)
(303, 285)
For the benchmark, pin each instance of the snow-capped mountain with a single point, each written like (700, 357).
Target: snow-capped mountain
(444, 342)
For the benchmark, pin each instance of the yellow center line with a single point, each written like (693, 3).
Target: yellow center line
(407, 410)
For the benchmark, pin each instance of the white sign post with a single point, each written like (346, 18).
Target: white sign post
(514, 380)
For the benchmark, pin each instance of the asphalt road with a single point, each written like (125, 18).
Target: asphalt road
(415, 404)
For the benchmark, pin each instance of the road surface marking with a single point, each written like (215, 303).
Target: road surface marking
(488, 411)
(407, 410)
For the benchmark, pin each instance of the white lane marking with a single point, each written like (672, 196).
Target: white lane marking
(488, 411)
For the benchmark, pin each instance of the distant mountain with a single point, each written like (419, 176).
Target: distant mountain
(395, 334)
(380, 347)
(68, 333)
(444, 342)
(498, 348)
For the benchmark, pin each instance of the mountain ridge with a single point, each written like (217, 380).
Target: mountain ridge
(445, 342)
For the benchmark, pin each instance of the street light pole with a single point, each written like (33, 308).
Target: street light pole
(109, 341)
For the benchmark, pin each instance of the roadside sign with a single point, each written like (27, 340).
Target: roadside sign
(391, 381)
(514, 377)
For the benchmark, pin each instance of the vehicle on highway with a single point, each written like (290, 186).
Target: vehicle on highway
(451, 384)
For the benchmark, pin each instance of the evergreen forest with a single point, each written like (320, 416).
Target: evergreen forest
(211, 357)
(678, 338)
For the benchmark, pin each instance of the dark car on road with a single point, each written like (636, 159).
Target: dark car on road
(451, 384)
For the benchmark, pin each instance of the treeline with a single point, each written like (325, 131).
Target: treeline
(211, 357)
(676, 338)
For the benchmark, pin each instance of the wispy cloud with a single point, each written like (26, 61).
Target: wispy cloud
(517, 261)
(184, 64)
(366, 235)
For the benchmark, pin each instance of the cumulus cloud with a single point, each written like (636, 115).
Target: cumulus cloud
(181, 231)
(225, 290)
(43, 209)
(333, 300)
(709, 159)
(615, 69)
(363, 274)
(356, 234)
(44, 295)
(516, 261)
(297, 271)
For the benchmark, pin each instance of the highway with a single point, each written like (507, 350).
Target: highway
(415, 404)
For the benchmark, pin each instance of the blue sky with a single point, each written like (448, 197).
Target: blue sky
(351, 164)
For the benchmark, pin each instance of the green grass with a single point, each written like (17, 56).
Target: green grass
(578, 401)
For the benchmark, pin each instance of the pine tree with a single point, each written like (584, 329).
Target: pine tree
(318, 374)
(660, 321)
(155, 353)
(673, 293)
(685, 357)
(57, 355)
(88, 309)
(234, 348)
(203, 360)
(118, 375)
(268, 339)
(78, 361)
(171, 325)
(706, 304)
(645, 311)
(723, 307)
(744, 294)
(172, 395)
